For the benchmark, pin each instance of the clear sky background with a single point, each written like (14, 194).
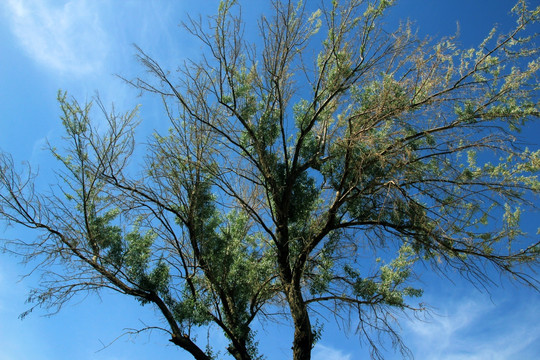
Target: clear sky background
(78, 46)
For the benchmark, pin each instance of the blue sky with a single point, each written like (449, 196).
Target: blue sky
(78, 46)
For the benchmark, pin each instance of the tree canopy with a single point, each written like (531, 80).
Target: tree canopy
(310, 169)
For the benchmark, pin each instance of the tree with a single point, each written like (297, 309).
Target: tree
(286, 177)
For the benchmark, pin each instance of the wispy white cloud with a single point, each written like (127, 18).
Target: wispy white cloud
(322, 352)
(68, 39)
(475, 329)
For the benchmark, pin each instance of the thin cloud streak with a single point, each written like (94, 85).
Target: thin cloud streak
(322, 352)
(68, 39)
(475, 329)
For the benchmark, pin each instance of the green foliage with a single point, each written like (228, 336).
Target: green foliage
(138, 260)
(193, 311)
(384, 97)
(322, 273)
(106, 237)
(75, 118)
(388, 286)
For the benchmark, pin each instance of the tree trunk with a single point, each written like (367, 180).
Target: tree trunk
(303, 336)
